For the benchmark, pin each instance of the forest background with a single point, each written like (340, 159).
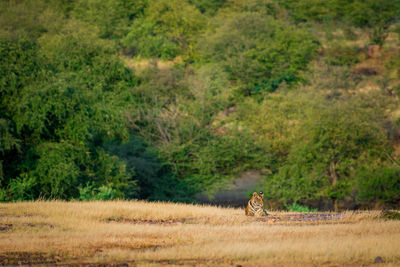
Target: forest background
(164, 99)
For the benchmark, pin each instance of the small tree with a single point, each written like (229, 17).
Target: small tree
(320, 162)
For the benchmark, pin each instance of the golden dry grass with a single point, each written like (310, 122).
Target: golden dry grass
(138, 233)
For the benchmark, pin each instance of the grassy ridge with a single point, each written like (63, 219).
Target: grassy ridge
(141, 233)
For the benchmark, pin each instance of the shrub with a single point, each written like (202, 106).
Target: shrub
(390, 214)
(342, 55)
(148, 42)
(299, 208)
(56, 171)
(3, 195)
(112, 17)
(378, 182)
(21, 188)
(374, 15)
(208, 6)
(165, 30)
(89, 192)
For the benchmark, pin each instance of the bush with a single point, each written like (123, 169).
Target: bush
(342, 55)
(112, 17)
(147, 42)
(377, 182)
(165, 30)
(208, 6)
(299, 208)
(3, 195)
(56, 171)
(375, 15)
(314, 10)
(20, 189)
(390, 215)
(89, 192)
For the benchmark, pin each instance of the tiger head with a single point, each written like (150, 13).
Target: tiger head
(258, 198)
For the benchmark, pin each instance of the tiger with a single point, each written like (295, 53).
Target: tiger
(255, 206)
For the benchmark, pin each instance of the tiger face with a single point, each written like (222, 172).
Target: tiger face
(255, 206)
(258, 198)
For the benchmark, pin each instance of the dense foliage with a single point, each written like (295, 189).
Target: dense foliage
(160, 99)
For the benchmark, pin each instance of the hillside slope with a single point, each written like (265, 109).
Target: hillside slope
(166, 99)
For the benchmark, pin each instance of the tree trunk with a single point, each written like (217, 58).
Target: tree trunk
(332, 172)
(334, 180)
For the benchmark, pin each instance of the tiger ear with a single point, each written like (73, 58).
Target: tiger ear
(254, 194)
(261, 194)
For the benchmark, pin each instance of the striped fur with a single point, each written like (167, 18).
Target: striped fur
(255, 206)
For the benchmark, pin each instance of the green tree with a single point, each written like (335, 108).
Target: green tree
(258, 52)
(320, 162)
(377, 15)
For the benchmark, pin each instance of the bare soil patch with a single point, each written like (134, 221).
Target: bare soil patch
(24, 258)
(5, 226)
(149, 221)
(310, 217)
(192, 262)
(9, 226)
(97, 264)
(39, 225)
(302, 218)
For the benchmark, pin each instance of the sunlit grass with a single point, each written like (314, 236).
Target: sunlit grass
(142, 233)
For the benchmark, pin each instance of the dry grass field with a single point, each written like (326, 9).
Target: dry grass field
(136, 233)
